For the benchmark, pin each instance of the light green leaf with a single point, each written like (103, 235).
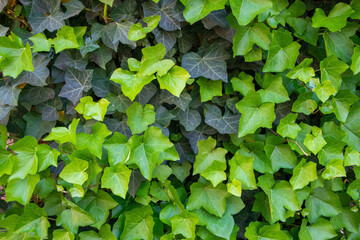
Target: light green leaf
(196, 10)
(336, 19)
(65, 39)
(108, 2)
(62, 134)
(139, 224)
(117, 149)
(260, 230)
(234, 187)
(352, 157)
(304, 104)
(62, 234)
(40, 43)
(243, 84)
(331, 68)
(21, 190)
(339, 44)
(91, 109)
(273, 89)
(324, 90)
(117, 179)
(210, 162)
(175, 80)
(355, 61)
(6, 162)
(302, 71)
(182, 171)
(315, 141)
(321, 230)
(162, 172)
(335, 168)
(73, 218)
(246, 10)
(139, 118)
(255, 114)
(212, 199)
(283, 52)
(74, 172)
(184, 224)
(138, 32)
(342, 102)
(241, 169)
(303, 174)
(209, 88)
(46, 156)
(76, 191)
(288, 127)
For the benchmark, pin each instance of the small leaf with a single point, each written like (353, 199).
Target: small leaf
(117, 179)
(288, 127)
(174, 81)
(334, 168)
(209, 89)
(241, 169)
(75, 171)
(184, 224)
(197, 10)
(246, 10)
(303, 174)
(139, 118)
(91, 109)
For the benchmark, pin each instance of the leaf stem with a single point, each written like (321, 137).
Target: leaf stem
(105, 12)
(289, 140)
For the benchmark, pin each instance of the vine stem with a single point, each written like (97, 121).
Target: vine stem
(289, 140)
(105, 12)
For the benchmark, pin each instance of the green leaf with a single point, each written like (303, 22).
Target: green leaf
(339, 44)
(73, 218)
(162, 172)
(315, 141)
(246, 10)
(331, 68)
(139, 118)
(302, 71)
(283, 52)
(65, 39)
(342, 102)
(14, 57)
(40, 43)
(91, 109)
(234, 187)
(93, 142)
(210, 162)
(324, 90)
(288, 127)
(274, 90)
(336, 19)
(335, 168)
(303, 174)
(175, 80)
(62, 134)
(212, 199)
(117, 149)
(182, 171)
(46, 156)
(259, 230)
(255, 114)
(98, 204)
(146, 149)
(322, 202)
(139, 224)
(243, 84)
(247, 36)
(138, 32)
(6, 162)
(196, 10)
(117, 179)
(281, 155)
(21, 190)
(74, 172)
(241, 169)
(76, 191)
(62, 234)
(304, 104)
(3, 137)
(355, 61)
(184, 224)
(131, 83)
(209, 88)
(108, 2)
(34, 219)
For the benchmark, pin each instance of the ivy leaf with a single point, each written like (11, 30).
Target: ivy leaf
(283, 52)
(168, 20)
(339, 44)
(208, 62)
(77, 82)
(252, 108)
(247, 36)
(334, 168)
(302, 71)
(224, 124)
(355, 61)
(212, 199)
(197, 10)
(331, 68)
(288, 127)
(93, 142)
(182, 171)
(73, 218)
(281, 155)
(210, 162)
(74, 172)
(6, 162)
(315, 141)
(184, 224)
(63, 134)
(117, 179)
(321, 230)
(342, 102)
(174, 81)
(324, 90)
(258, 230)
(246, 10)
(62, 234)
(91, 109)
(139, 224)
(138, 32)
(108, 2)
(21, 190)
(304, 104)
(241, 169)
(117, 149)
(274, 90)
(40, 43)
(98, 204)
(65, 39)
(9, 95)
(336, 19)
(46, 156)
(14, 56)
(146, 149)
(303, 174)
(131, 83)
(209, 89)
(243, 84)
(139, 118)
(322, 202)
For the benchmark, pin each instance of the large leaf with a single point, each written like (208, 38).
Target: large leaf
(139, 118)
(198, 9)
(241, 169)
(246, 10)
(117, 179)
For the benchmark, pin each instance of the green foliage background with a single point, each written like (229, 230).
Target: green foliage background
(179, 119)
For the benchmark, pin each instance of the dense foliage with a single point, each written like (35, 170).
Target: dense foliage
(179, 119)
